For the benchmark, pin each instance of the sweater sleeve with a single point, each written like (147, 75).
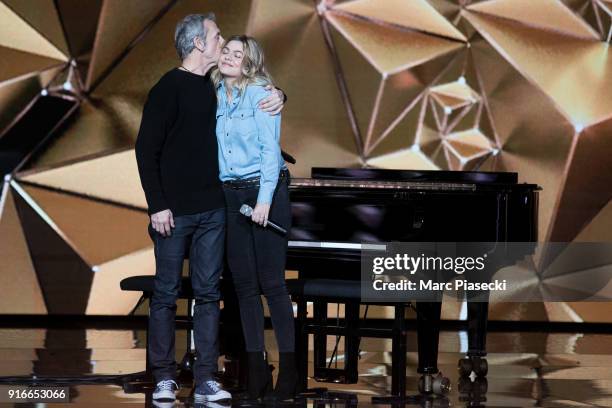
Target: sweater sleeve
(149, 144)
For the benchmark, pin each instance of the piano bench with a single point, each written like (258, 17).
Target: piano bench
(334, 289)
(348, 292)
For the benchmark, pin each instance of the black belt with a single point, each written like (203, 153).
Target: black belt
(251, 182)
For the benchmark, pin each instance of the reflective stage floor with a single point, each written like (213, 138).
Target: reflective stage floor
(525, 368)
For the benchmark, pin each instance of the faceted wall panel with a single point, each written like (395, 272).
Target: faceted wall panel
(64, 277)
(101, 232)
(109, 177)
(107, 278)
(42, 16)
(21, 292)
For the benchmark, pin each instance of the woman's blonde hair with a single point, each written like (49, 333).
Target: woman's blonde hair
(253, 67)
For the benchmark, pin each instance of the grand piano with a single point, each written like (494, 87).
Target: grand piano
(338, 210)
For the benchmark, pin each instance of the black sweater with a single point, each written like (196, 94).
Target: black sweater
(176, 149)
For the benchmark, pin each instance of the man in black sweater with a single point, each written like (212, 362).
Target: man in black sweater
(176, 151)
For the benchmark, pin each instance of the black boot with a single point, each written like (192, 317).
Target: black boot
(287, 380)
(259, 379)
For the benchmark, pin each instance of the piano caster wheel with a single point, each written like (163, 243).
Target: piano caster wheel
(465, 367)
(430, 384)
(479, 386)
(475, 364)
(480, 366)
(473, 392)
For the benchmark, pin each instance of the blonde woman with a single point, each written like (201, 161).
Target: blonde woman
(253, 172)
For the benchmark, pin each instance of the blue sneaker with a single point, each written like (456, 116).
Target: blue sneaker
(210, 391)
(165, 390)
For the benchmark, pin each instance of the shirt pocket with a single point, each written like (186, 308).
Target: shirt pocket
(243, 121)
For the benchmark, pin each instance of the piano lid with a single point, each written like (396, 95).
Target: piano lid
(476, 177)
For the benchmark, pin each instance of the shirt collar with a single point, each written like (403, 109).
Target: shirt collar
(222, 87)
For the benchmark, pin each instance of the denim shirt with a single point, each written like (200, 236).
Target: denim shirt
(248, 140)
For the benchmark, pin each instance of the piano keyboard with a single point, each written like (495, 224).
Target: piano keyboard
(381, 184)
(337, 245)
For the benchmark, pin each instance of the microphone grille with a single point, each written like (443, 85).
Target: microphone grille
(246, 210)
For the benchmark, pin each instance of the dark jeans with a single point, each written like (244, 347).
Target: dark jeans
(256, 258)
(202, 236)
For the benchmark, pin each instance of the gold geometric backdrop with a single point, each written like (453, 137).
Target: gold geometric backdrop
(494, 85)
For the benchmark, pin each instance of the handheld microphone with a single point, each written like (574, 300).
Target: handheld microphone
(247, 211)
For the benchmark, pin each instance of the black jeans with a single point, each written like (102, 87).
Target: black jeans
(256, 258)
(202, 236)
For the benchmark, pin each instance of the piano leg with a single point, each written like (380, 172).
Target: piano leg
(478, 313)
(351, 342)
(399, 349)
(477, 328)
(427, 365)
(428, 335)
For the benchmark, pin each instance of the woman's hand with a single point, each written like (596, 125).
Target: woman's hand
(260, 214)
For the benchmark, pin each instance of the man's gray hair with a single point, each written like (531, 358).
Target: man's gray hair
(187, 30)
